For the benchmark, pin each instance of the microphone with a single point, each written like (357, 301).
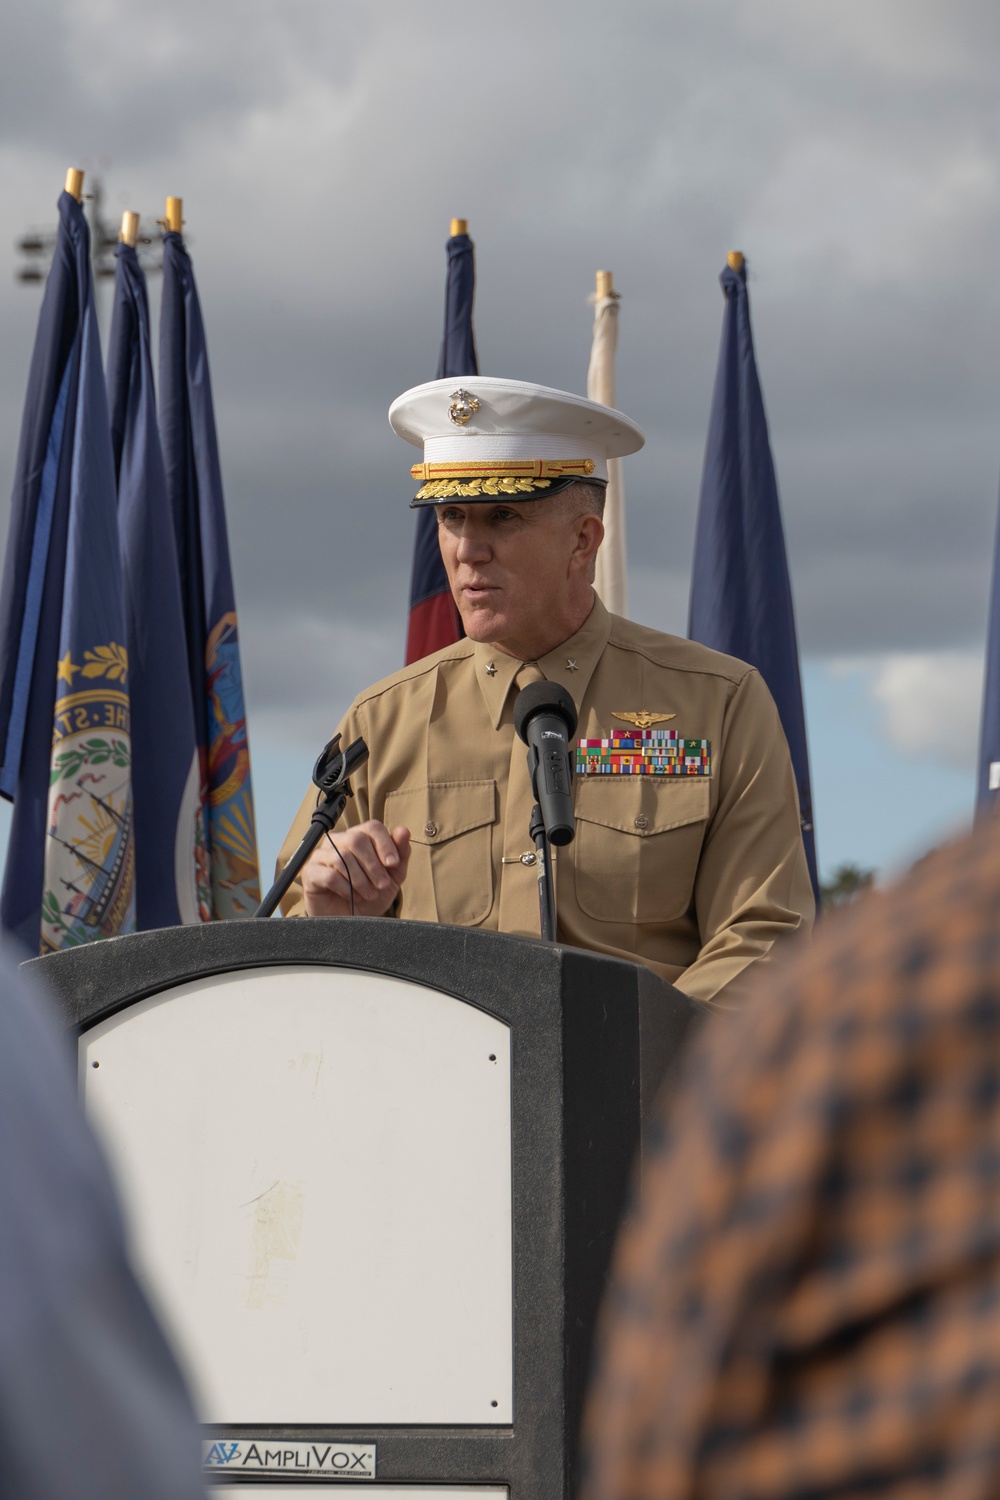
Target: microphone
(545, 718)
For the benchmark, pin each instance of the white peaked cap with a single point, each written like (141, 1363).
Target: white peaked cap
(482, 436)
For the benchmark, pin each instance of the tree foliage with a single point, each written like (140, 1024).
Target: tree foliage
(848, 883)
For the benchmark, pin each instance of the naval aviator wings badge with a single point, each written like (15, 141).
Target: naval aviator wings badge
(643, 719)
(643, 750)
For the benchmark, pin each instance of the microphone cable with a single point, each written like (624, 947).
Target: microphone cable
(343, 861)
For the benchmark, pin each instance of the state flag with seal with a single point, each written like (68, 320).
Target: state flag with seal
(172, 870)
(194, 487)
(64, 700)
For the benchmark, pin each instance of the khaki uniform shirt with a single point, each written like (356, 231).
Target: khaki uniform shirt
(695, 877)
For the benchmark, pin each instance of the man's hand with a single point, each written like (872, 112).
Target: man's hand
(377, 860)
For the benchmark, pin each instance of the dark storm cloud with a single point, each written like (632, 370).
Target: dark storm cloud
(321, 149)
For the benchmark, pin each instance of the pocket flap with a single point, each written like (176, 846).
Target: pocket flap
(441, 810)
(642, 805)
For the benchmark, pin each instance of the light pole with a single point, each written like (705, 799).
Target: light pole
(36, 245)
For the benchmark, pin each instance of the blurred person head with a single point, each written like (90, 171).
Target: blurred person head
(806, 1300)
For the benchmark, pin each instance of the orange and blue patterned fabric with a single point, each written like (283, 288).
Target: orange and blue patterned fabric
(805, 1300)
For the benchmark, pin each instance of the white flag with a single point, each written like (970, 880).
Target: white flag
(611, 580)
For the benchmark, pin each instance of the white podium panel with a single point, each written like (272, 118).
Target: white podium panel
(375, 1492)
(316, 1168)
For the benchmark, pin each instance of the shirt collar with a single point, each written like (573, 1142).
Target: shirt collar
(571, 664)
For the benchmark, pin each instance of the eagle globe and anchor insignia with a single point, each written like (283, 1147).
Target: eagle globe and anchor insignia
(89, 882)
(464, 406)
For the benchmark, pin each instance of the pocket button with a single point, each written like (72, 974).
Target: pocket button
(431, 830)
(642, 821)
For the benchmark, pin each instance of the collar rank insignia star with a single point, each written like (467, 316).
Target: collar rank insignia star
(491, 670)
(571, 665)
(643, 719)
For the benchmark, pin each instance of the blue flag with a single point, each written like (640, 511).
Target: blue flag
(170, 831)
(741, 595)
(434, 620)
(194, 487)
(64, 702)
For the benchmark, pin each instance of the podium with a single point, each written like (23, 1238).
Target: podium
(372, 1172)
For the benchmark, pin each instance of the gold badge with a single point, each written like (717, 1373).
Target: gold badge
(643, 719)
(463, 406)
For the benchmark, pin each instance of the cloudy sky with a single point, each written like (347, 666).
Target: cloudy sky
(321, 147)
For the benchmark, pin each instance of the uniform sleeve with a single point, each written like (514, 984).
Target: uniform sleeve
(350, 727)
(752, 888)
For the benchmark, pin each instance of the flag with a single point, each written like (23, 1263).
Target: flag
(170, 831)
(989, 733)
(194, 488)
(611, 578)
(434, 619)
(741, 596)
(64, 700)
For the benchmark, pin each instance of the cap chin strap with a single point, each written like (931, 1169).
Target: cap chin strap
(506, 468)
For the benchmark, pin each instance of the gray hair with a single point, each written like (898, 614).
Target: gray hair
(581, 499)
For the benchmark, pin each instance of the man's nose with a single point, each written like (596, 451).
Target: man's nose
(472, 546)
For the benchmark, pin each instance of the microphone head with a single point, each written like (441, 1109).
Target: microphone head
(543, 697)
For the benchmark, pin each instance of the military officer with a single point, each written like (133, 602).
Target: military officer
(688, 854)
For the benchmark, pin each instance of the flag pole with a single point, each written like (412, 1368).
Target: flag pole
(130, 229)
(175, 214)
(74, 183)
(734, 260)
(459, 226)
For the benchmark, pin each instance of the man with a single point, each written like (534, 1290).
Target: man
(688, 856)
(807, 1301)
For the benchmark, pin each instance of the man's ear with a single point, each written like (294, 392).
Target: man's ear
(589, 536)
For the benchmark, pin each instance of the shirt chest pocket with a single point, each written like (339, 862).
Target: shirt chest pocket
(450, 877)
(638, 842)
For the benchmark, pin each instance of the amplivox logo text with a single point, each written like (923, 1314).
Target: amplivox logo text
(349, 1461)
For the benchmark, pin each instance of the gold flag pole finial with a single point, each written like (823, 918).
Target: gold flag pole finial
(734, 260)
(175, 214)
(130, 229)
(74, 183)
(605, 284)
(459, 226)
